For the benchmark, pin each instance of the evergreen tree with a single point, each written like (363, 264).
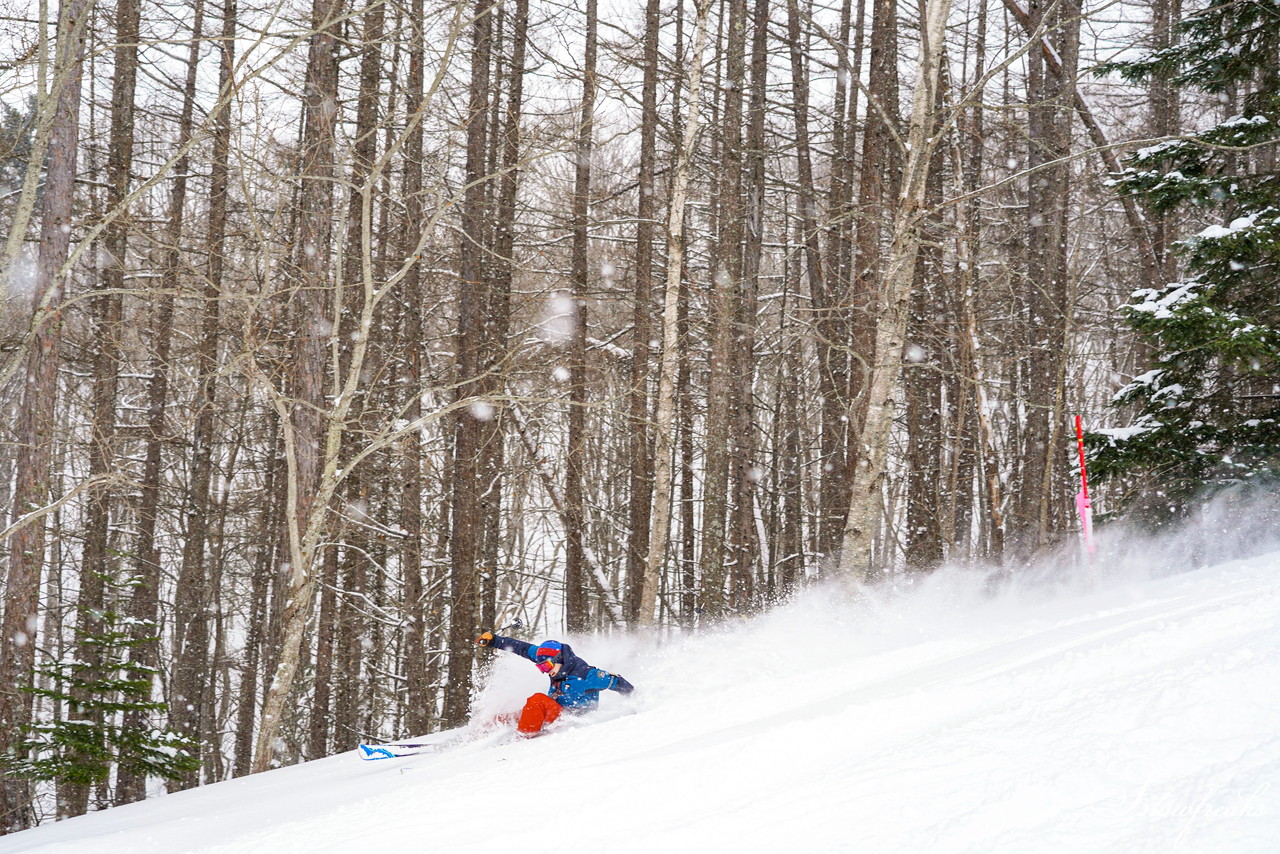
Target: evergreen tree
(15, 141)
(1208, 410)
(81, 743)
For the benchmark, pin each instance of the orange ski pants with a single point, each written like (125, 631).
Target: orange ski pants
(539, 710)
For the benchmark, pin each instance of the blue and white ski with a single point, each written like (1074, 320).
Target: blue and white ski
(394, 749)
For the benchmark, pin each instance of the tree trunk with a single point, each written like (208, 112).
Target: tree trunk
(855, 327)
(687, 498)
(807, 199)
(97, 571)
(640, 448)
(255, 643)
(878, 187)
(420, 710)
(144, 603)
(922, 381)
(468, 516)
(352, 629)
(829, 292)
(193, 597)
(790, 555)
(305, 429)
(1030, 21)
(884, 387)
(664, 420)
(745, 543)
(1165, 121)
(724, 295)
(18, 631)
(577, 613)
(1051, 99)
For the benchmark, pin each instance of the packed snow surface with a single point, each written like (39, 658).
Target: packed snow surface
(1135, 711)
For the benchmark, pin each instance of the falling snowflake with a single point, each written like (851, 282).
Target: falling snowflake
(559, 318)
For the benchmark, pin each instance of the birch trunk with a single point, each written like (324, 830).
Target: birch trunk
(664, 421)
(884, 388)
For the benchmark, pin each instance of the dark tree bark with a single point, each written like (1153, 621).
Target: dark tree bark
(807, 195)
(691, 594)
(926, 360)
(187, 708)
(1045, 291)
(922, 381)
(640, 448)
(724, 296)
(967, 437)
(829, 292)
(352, 633)
(144, 603)
(498, 315)
(257, 653)
(352, 629)
(18, 631)
(311, 311)
(1165, 121)
(744, 539)
(96, 565)
(880, 178)
(857, 283)
(468, 500)
(827, 282)
(577, 606)
(1030, 20)
(789, 557)
(842, 215)
(421, 706)
(320, 724)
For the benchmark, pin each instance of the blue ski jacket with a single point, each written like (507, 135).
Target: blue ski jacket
(578, 685)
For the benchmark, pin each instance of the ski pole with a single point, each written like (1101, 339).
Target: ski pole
(1084, 506)
(515, 624)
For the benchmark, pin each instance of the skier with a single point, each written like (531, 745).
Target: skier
(575, 685)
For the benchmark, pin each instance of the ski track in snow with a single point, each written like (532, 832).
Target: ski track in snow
(1138, 717)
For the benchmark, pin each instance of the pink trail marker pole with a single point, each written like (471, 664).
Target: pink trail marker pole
(1083, 506)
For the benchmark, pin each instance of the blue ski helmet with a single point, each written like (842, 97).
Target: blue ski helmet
(549, 650)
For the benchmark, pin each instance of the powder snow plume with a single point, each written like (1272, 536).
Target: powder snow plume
(1055, 709)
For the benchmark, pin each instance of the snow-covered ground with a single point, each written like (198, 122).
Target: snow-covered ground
(1134, 714)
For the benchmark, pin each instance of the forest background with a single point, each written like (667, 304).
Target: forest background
(338, 332)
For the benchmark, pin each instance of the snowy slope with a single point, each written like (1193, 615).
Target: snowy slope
(1128, 716)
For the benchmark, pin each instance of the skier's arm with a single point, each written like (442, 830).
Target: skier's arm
(519, 647)
(600, 680)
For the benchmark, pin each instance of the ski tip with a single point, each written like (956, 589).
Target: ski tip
(370, 751)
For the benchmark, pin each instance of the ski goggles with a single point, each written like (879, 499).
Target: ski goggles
(546, 665)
